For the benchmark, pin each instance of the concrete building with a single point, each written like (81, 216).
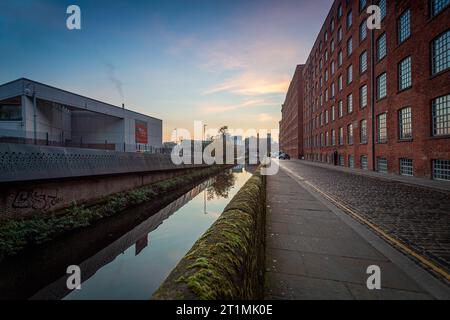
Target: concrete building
(32, 112)
(380, 99)
(291, 133)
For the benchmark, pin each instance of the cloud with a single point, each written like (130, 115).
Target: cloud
(222, 108)
(265, 117)
(252, 84)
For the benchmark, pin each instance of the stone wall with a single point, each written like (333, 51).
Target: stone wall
(227, 262)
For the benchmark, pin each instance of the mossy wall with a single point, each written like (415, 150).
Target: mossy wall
(227, 262)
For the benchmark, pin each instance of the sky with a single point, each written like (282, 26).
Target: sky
(223, 62)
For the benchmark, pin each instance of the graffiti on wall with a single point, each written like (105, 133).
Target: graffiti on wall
(35, 199)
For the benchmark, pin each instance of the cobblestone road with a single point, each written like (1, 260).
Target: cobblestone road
(417, 216)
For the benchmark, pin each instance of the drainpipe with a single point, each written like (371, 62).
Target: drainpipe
(372, 84)
(34, 117)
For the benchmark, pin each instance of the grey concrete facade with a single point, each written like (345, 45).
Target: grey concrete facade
(59, 115)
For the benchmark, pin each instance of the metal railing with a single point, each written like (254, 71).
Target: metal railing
(77, 141)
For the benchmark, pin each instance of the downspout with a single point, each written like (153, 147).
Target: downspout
(373, 80)
(34, 116)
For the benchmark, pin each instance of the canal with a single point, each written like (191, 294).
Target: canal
(126, 257)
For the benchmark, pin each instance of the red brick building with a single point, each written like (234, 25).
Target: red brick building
(378, 99)
(291, 124)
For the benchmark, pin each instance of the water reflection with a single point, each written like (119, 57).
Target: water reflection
(221, 186)
(125, 257)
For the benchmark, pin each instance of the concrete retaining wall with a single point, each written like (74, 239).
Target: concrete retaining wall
(227, 263)
(25, 199)
(20, 162)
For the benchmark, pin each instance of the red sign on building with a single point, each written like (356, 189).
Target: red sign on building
(141, 132)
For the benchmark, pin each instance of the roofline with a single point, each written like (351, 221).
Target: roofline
(76, 94)
(320, 31)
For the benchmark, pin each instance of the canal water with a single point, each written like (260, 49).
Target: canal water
(136, 262)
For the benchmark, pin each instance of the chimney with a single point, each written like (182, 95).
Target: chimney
(123, 105)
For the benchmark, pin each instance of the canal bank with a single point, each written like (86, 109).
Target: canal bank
(126, 256)
(17, 234)
(227, 262)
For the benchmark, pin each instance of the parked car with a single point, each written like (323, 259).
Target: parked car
(284, 156)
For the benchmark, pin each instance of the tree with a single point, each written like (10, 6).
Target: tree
(223, 130)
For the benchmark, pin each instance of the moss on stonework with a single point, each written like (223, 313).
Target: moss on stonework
(228, 260)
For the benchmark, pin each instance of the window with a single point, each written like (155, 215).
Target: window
(363, 31)
(382, 165)
(332, 25)
(382, 86)
(441, 170)
(406, 167)
(333, 113)
(440, 53)
(404, 74)
(339, 34)
(362, 5)
(340, 58)
(326, 75)
(333, 67)
(350, 134)
(349, 46)
(327, 137)
(364, 163)
(351, 162)
(326, 55)
(363, 131)
(341, 136)
(405, 123)
(340, 83)
(404, 26)
(441, 116)
(326, 117)
(340, 109)
(333, 90)
(341, 160)
(350, 74)
(11, 109)
(437, 6)
(326, 36)
(381, 128)
(382, 5)
(350, 103)
(363, 62)
(349, 19)
(363, 96)
(381, 47)
(333, 137)
(339, 11)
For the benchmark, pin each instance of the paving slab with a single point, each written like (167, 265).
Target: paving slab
(311, 253)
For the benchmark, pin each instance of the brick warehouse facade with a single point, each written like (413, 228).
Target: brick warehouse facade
(291, 124)
(380, 99)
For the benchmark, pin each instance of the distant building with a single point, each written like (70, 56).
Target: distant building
(378, 99)
(32, 112)
(291, 133)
